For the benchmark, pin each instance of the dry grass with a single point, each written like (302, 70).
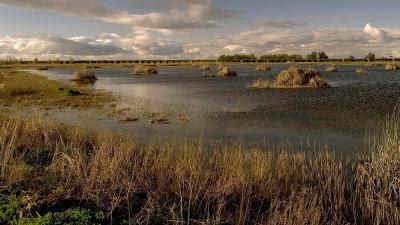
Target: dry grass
(360, 71)
(331, 69)
(226, 72)
(261, 83)
(187, 183)
(263, 68)
(298, 77)
(391, 66)
(144, 70)
(84, 75)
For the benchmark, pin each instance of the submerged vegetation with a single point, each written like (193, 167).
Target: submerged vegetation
(53, 172)
(144, 70)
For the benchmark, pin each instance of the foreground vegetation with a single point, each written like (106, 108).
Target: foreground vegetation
(52, 174)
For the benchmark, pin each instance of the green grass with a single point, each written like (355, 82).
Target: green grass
(26, 89)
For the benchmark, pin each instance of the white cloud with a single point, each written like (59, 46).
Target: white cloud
(187, 15)
(140, 44)
(376, 35)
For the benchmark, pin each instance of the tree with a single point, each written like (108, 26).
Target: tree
(351, 58)
(370, 57)
(317, 56)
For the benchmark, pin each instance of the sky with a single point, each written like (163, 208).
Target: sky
(196, 29)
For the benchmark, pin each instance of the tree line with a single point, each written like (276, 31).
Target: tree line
(314, 56)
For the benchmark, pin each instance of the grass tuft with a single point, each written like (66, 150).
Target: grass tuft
(144, 70)
(226, 72)
(297, 77)
(391, 66)
(84, 75)
(331, 69)
(263, 68)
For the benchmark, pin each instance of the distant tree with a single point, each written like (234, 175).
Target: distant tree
(351, 58)
(71, 60)
(370, 57)
(237, 58)
(317, 56)
(280, 57)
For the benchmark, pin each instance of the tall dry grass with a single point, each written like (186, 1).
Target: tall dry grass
(193, 183)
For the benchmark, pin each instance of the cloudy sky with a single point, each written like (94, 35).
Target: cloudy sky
(128, 29)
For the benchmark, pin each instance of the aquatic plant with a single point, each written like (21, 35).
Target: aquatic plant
(261, 83)
(263, 67)
(360, 71)
(144, 70)
(299, 77)
(204, 67)
(226, 72)
(391, 66)
(43, 68)
(331, 68)
(84, 75)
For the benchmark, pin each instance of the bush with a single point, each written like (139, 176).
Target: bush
(263, 67)
(331, 69)
(84, 75)
(299, 77)
(226, 72)
(144, 70)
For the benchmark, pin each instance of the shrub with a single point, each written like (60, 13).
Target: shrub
(391, 66)
(331, 69)
(263, 67)
(226, 72)
(84, 75)
(299, 77)
(144, 70)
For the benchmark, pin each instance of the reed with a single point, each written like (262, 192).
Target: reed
(54, 166)
(144, 70)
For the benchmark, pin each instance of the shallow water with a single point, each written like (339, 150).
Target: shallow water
(225, 109)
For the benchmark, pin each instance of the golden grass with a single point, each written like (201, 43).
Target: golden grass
(26, 89)
(226, 72)
(298, 77)
(391, 66)
(261, 83)
(190, 183)
(331, 69)
(144, 70)
(84, 75)
(360, 71)
(263, 68)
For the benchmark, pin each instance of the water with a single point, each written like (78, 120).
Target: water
(225, 109)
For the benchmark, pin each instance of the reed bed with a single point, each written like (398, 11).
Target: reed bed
(84, 75)
(263, 68)
(144, 70)
(54, 167)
